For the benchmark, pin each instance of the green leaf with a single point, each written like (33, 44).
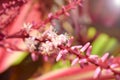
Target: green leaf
(91, 32)
(20, 56)
(111, 45)
(103, 44)
(99, 44)
(61, 64)
(12, 59)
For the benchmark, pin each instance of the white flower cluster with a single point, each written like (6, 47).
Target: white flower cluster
(48, 42)
(54, 40)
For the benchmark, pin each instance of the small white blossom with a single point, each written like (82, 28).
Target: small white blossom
(63, 38)
(27, 26)
(50, 33)
(46, 47)
(30, 42)
(60, 39)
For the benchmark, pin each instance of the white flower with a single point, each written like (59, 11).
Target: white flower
(46, 48)
(27, 26)
(63, 38)
(58, 40)
(30, 42)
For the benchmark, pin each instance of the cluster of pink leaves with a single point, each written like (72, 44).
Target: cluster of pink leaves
(10, 34)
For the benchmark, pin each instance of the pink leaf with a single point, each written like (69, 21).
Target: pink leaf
(105, 57)
(97, 72)
(74, 61)
(85, 47)
(89, 51)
